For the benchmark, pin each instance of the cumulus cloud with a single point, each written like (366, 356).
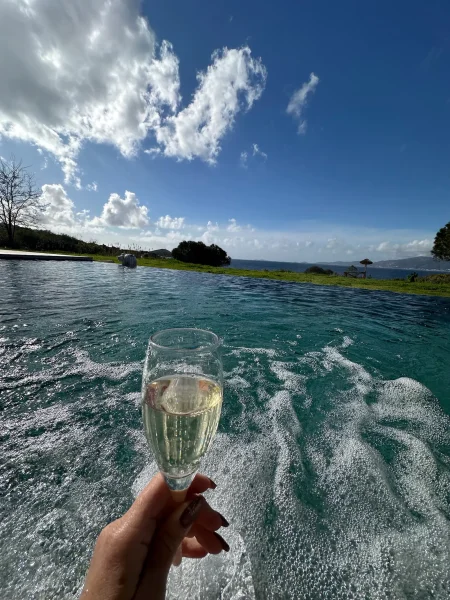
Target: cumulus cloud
(233, 226)
(168, 223)
(231, 84)
(76, 71)
(59, 208)
(412, 248)
(80, 72)
(299, 100)
(243, 159)
(124, 212)
(164, 78)
(307, 242)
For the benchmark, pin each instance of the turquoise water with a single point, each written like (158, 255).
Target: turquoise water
(333, 453)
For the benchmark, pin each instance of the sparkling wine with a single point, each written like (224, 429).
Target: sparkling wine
(181, 414)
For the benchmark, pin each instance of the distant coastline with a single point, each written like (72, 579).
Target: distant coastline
(422, 263)
(376, 272)
(439, 286)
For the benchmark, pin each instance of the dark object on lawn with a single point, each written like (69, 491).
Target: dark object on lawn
(353, 272)
(128, 260)
(412, 277)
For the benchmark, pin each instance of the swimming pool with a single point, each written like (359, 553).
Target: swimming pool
(333, 454)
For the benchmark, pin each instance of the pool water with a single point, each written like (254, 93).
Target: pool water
(333, 453)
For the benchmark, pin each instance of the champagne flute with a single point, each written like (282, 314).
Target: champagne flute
(182, 390)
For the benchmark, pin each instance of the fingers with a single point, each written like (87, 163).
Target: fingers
(200, 484)
(163, 549)
(178, 557)
(140, 520)
(155, 503)
(191, 548)
(211, 541)
(210, 518)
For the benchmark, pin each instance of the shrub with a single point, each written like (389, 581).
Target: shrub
(319, 271)
(201, 254)
(441, 247)
(435, 278)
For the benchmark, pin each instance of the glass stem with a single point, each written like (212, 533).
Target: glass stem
(179, 484)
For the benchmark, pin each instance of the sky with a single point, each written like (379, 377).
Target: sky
(296, 131)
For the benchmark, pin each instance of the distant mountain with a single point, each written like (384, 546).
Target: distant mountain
(338, 263)
(418, 262)
(162, 253)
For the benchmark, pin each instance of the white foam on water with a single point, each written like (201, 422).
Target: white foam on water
(291, 381)
(346, 342)
(342, 492)
(270, 352)
(238, 382)
(355, 508)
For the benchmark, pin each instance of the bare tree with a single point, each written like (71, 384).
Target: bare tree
(19, 197)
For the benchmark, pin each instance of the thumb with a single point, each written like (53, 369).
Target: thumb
(165, 543)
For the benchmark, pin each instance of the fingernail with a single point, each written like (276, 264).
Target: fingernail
(191, 511)
(224, 521)
(223, 543)
(213, 485)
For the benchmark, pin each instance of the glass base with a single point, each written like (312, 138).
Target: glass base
(179, 484)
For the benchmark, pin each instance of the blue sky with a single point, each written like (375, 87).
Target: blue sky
(317, 130)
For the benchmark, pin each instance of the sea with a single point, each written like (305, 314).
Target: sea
(374, 272)
(332, 459)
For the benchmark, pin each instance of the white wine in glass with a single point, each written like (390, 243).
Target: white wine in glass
(181, 401)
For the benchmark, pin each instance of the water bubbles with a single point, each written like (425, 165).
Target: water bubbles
(332, 460)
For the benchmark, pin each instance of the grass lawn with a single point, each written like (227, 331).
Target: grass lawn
(389, 285)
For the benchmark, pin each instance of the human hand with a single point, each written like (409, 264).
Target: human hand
(133, 555)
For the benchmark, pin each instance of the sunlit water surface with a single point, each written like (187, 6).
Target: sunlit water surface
(333, 453)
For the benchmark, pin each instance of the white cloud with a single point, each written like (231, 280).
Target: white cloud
(59, 208)
(231, 84)
(299, 100)
(76, 71)
(168, 223)
(421, 246)
(383, 247)
(308, 241)
(251, 155)
(233, 226)
(212, 226)
(80, 72)
(164, 78)
(258, 152)
(123, 212)
(92, 187)
(400, 250)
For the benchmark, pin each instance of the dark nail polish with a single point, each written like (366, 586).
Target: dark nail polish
(191, 511)
(224, 521)
(213, 485)
(223, 543)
